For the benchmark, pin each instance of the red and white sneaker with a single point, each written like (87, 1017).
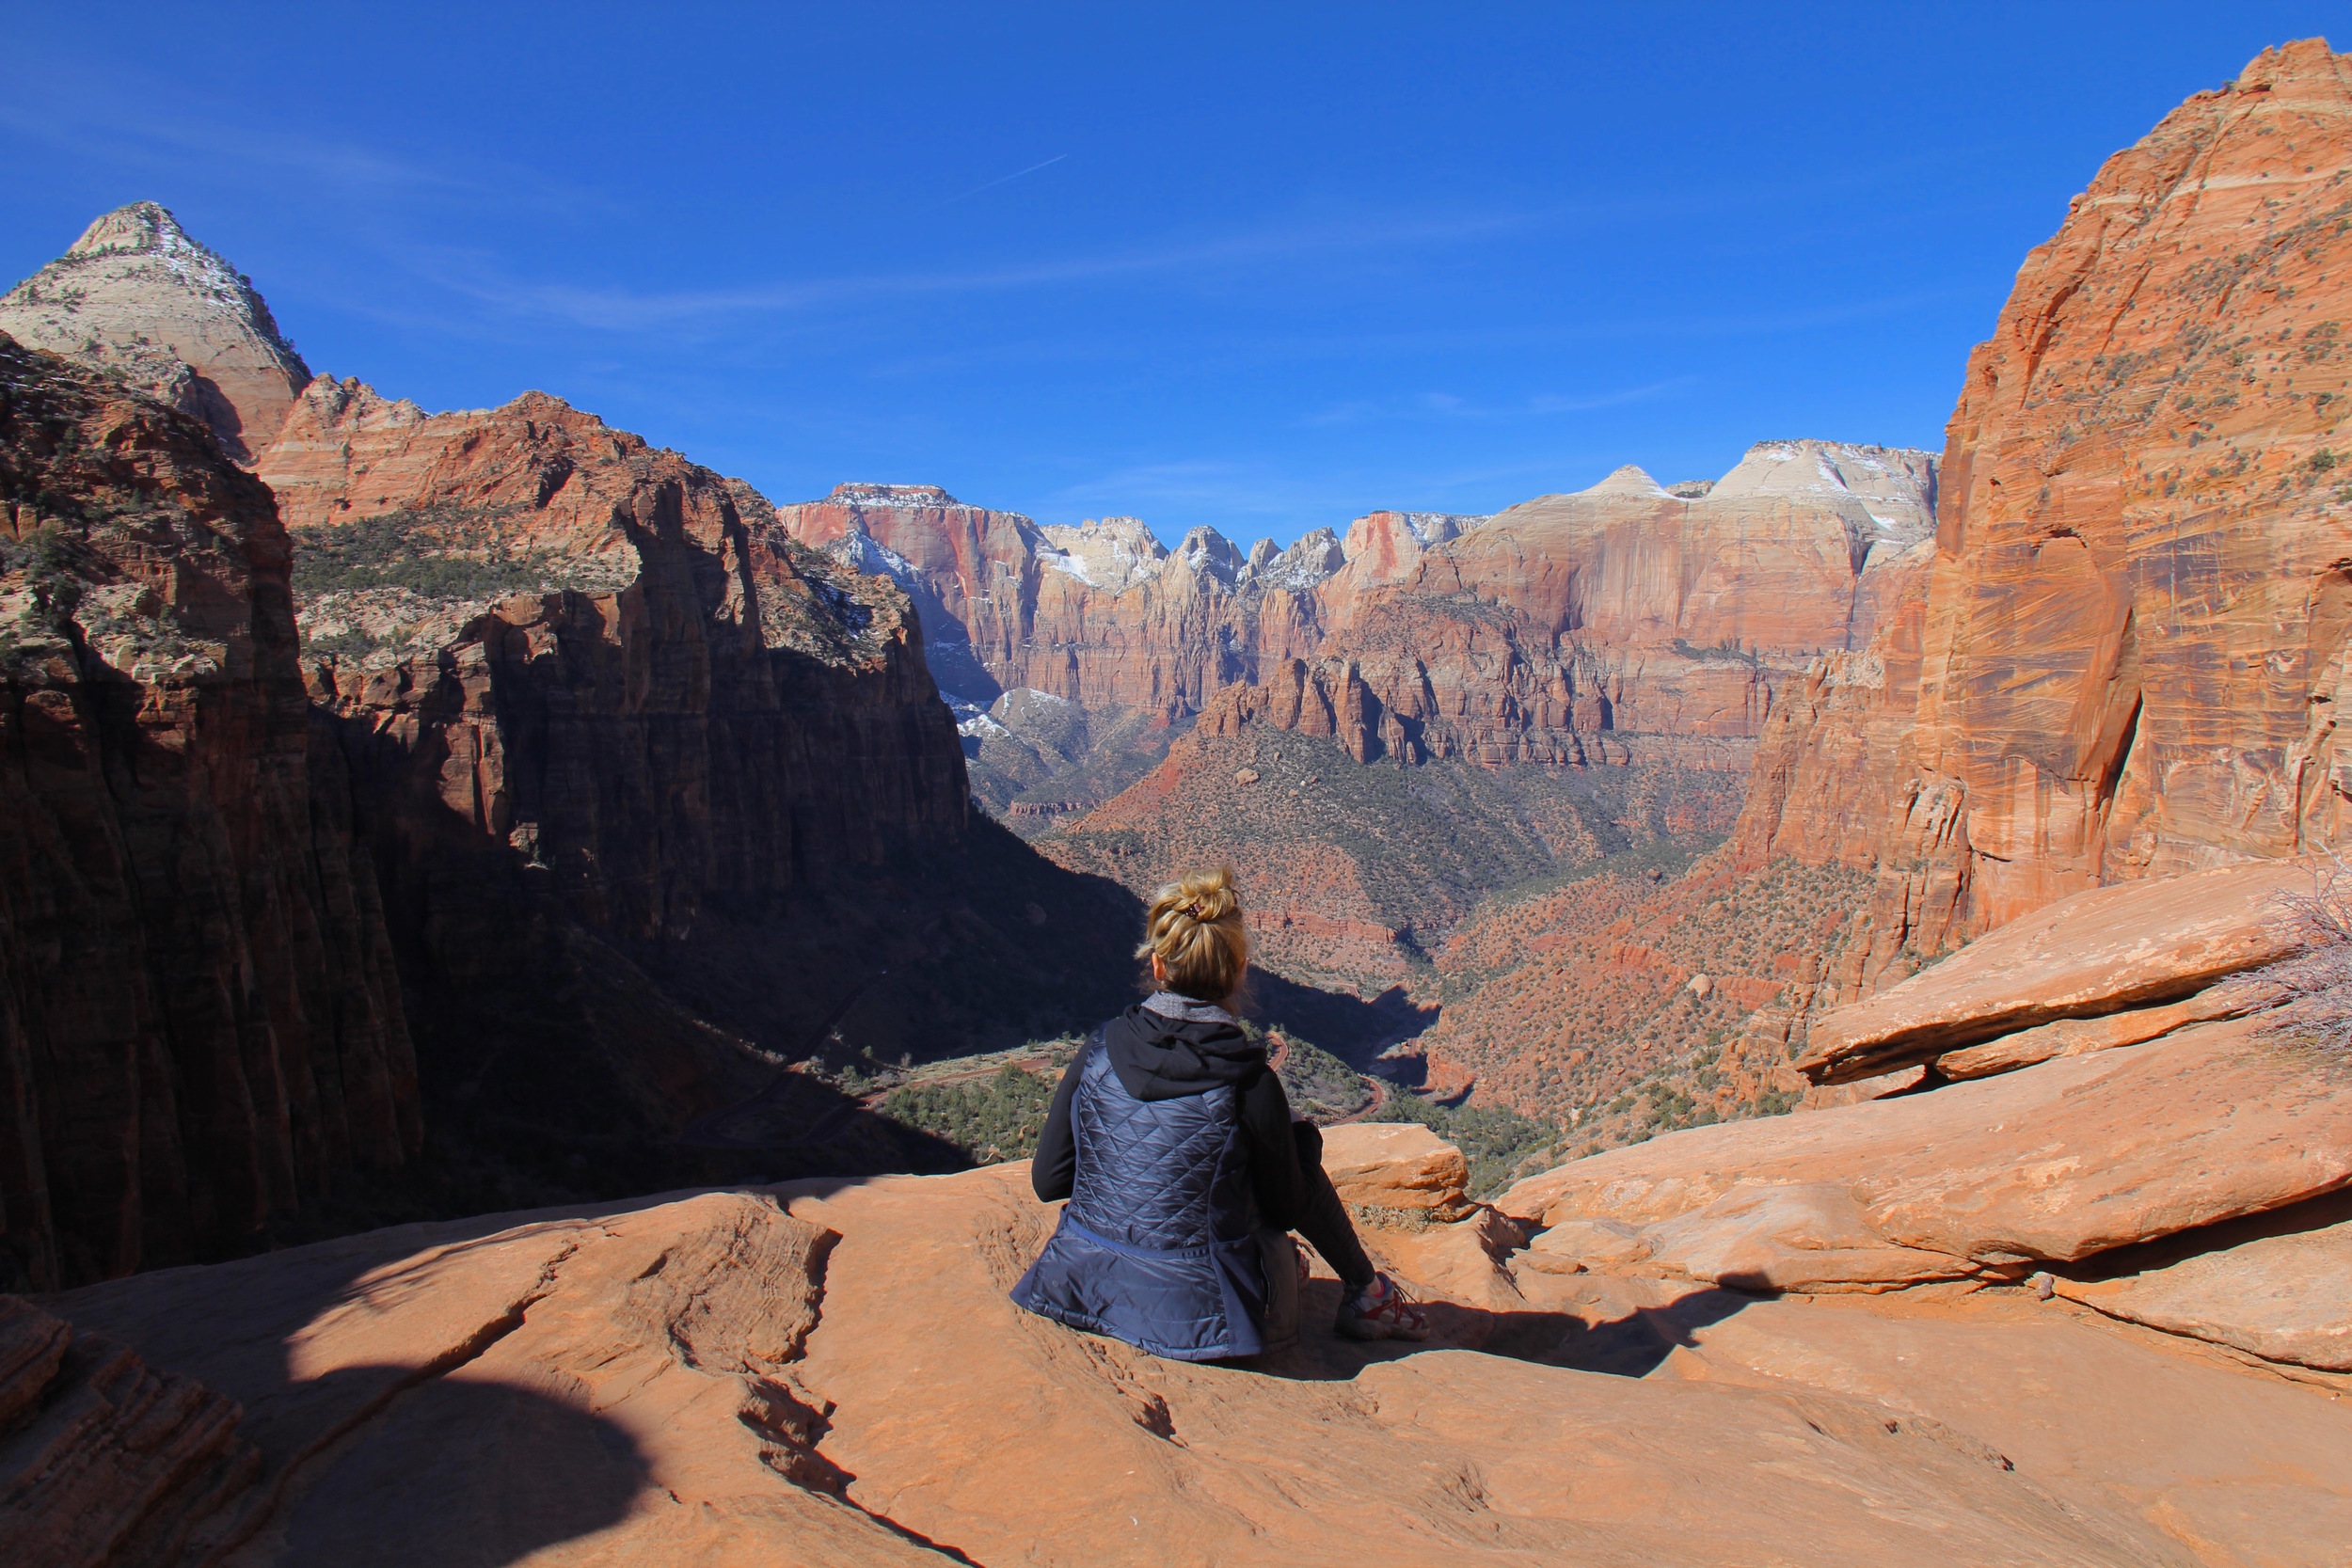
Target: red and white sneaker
(1381, 1310)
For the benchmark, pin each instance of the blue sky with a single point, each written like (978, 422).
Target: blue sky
(1260, 266)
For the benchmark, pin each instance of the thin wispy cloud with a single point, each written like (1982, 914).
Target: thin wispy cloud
(1005, 180)
(614, 309)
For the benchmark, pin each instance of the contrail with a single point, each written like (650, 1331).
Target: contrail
(1007, 180)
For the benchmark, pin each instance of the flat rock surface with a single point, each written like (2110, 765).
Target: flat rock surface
(2097, 951)
(2128, 1428)
(2057, 1160)
(830, 1373)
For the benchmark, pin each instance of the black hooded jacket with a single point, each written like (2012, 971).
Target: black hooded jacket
(1159, 1057)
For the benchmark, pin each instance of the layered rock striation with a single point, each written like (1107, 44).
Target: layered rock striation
(137, 298)
(201, 1025)
(1626, 608)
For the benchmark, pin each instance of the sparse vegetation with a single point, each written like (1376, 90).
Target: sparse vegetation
(443, 552)
(992, 1119)
(2316, 982)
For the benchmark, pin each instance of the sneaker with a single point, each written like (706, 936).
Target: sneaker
(1381, 1310)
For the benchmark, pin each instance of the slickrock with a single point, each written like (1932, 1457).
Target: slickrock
(708, 1379)
(201, 1027)
(2099, 951)
(2282, 1297)
(607, 1386)
(2073, 1037)
(2056, 1162)
(2153, 1439)
(137, 297)
(1397, 1165)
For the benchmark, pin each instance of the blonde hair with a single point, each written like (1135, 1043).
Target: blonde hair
(1195, 929)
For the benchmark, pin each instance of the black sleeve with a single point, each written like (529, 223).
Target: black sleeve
(1053, 1169)
(1273, 1175)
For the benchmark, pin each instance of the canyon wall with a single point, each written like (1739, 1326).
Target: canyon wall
(502, 778)
(199, 1023)
(1102, 614)
(663, 799)
(2132, 647)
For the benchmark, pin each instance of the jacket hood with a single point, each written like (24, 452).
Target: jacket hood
(1159, 1057)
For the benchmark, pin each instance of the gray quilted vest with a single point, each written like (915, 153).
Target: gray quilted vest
(1160, 1244)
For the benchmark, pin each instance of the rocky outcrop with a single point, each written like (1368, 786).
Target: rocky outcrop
(2058, 1162)
(137, 297)
(831, 1372)
(199, 1023)
(2278, 1292)
(2107, 956)
(104, 1459)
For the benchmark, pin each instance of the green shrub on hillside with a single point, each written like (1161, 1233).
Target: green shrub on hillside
(992, 1119)
(442, 552)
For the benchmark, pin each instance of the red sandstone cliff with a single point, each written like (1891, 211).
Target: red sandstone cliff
(199, 1025)
(2130, 651)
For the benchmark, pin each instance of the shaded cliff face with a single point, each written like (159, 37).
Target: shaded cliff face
(199, 1025)
(135, 295)
(663, 799)
(2130, 657)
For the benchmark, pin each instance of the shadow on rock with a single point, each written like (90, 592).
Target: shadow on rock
(1629, 1346)
(464, 1471)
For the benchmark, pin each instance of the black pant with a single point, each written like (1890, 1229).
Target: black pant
(1323, 1219)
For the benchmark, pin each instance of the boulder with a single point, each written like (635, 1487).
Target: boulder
(1400, 1166)
(2058, 1162)
(2099, 951)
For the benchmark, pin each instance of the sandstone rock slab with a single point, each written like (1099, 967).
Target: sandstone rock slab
(2056, 1162)
(102, 1458)
(2100, 951)
(2074, 1036)
(2284, 1298)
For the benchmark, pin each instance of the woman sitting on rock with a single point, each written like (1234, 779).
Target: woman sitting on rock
(1174, 1143)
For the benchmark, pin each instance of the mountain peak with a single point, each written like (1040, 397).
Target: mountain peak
(141, 226)
(1630, 480)
(138, 297)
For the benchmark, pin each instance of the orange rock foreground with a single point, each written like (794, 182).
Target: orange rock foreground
(829, 1373)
